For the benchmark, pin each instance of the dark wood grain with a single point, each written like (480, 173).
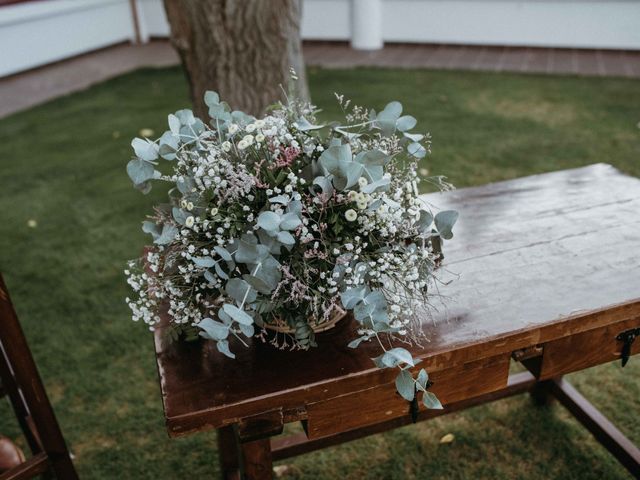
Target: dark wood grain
(534, 260)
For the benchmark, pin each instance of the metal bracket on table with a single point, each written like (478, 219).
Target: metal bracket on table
(627, 338)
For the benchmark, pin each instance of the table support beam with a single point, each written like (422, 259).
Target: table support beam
(602, 429)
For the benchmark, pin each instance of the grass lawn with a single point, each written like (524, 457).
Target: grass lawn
(64, 167)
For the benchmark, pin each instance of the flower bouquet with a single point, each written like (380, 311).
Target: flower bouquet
(278, 227)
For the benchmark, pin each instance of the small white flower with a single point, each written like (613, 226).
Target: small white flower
(190, 206)
(362, 205)
(259, 138)
(214, 211)
(248, 139)
(250, 128)
(336, 251)
(288, 188)
(189, 221)
(183, 203)
(233, 128)
(259, 123)
(352, 195)
(350, 215)
(242, 144)
(226, 146)
(362, 182)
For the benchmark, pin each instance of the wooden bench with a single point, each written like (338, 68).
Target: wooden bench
(545, 271)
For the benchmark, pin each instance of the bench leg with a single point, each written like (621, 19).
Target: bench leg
(256, 460)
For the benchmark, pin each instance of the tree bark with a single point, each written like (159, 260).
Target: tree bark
(243, 49)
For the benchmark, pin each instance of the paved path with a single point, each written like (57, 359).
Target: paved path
(27, 89)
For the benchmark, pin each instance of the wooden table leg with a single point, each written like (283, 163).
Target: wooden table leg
(256, 460)
(541, 392)
(228, 452)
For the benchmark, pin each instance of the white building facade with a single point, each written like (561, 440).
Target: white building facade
(35, 33)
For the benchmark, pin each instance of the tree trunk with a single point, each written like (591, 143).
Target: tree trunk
(243, 49)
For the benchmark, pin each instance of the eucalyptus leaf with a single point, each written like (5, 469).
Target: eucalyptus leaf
(397, 356)
(220, 272)
(174, 124)
(140, 171)
(285, 238)
(431, 401)
(303, 125)
(179, 215)
(444, 222)
(224, 253)
(151, 228)
(238, 315)
(417, 150)
(422, 379)
(211, 98)
(290, 221)
(406, 122)
(247, 330)
(352, 296)
(269, 221)
(204, 262)
(145, 149)
(167, 236)
(213, 330)
(223, 347)
(240, 291)
(405, 385)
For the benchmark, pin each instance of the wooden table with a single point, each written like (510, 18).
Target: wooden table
(546, 271)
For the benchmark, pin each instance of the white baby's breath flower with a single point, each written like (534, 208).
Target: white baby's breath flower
(242, 144)
(362, 182)
(350, 215)
(226, 146)
(362, 205)
(183, 203)
(352, 195)
(259, 138)
(190, 206)
(189, 221)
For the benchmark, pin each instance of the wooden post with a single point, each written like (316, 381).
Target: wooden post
(228, 452)
(256, 460)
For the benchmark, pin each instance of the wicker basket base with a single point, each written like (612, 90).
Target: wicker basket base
(282, 327)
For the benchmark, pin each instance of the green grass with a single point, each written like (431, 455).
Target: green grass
(63, 166)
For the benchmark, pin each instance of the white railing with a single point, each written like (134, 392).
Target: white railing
(39, 32)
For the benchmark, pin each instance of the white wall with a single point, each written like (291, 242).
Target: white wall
(36, 33)
(549, 23)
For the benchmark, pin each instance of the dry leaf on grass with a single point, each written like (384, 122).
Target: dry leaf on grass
(448, 438)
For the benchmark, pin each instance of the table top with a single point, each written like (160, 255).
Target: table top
(532, 260)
